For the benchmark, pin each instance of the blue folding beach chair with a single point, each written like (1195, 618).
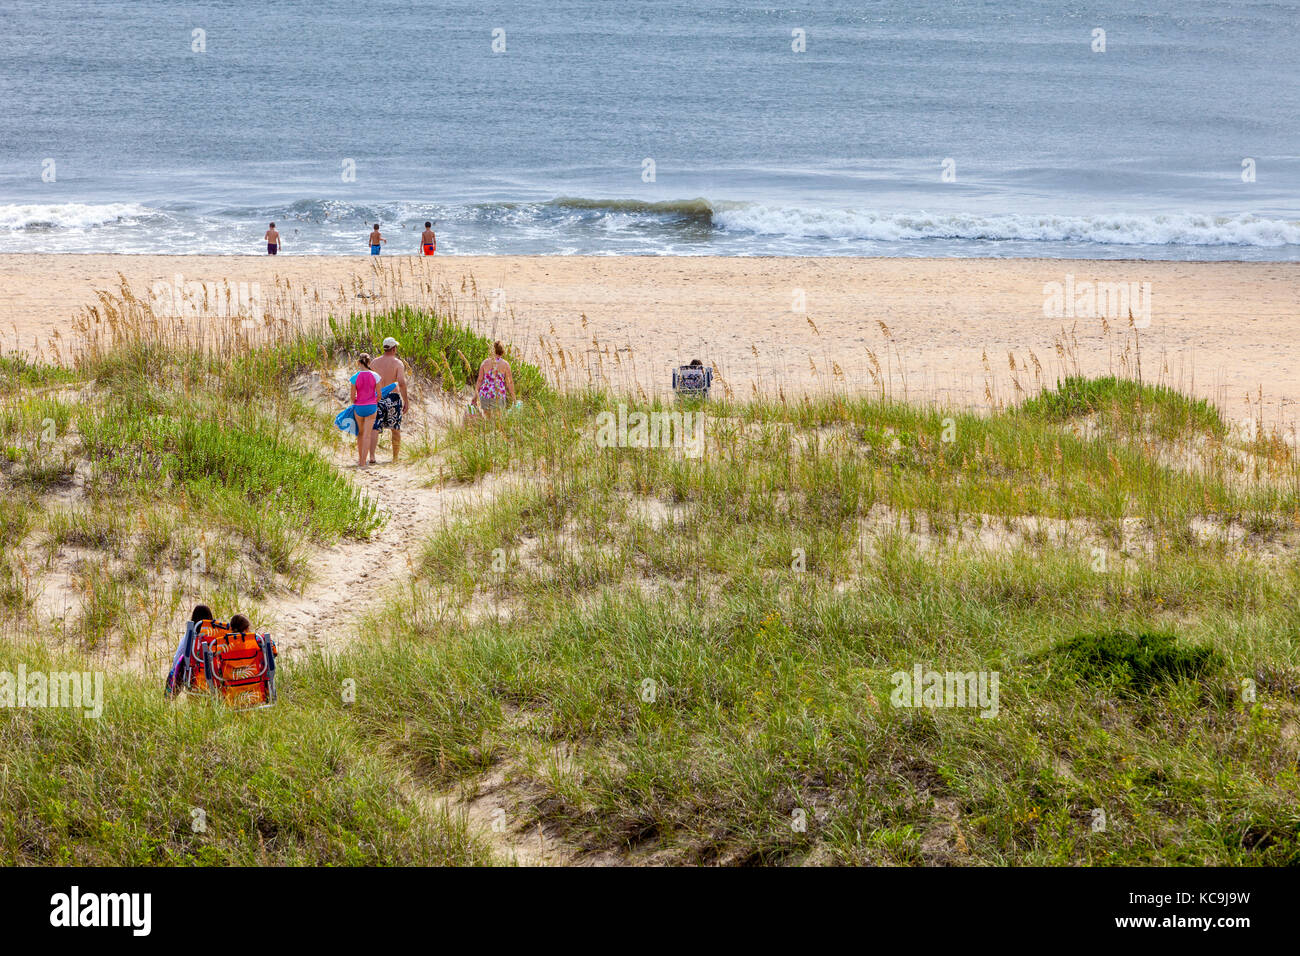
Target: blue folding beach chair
(692, 381)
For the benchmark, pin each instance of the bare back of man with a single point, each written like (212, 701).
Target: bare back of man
(391, 370)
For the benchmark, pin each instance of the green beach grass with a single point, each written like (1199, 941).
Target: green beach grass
(662, 657)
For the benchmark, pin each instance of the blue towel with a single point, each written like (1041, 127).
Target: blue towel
(180, 660)
(346, 420)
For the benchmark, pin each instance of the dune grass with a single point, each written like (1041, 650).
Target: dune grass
(1136, 406)
(771, 589)
(183, 465)
(247, 458)
(674, 658)
(434, 344)
(152, 783)
(699, 734)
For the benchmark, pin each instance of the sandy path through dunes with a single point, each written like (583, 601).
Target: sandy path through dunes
(349, 583)
(1225, 330)
(350, 580)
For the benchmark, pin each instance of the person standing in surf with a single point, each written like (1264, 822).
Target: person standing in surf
(376, 241)
(428, 242)
(272, 241)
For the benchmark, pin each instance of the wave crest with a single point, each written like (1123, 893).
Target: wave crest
(1116, 229)
(15, 217)
(699, 211)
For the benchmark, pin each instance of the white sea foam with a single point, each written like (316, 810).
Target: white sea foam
(1117, 229)
(634, 227)
(68, 215)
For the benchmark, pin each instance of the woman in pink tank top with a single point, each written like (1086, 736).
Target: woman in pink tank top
(365, 401)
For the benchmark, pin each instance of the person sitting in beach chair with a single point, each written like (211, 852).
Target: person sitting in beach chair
(187, 663)
(240, 666)
(693, 381)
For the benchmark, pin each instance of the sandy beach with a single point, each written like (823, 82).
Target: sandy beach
(945, 329)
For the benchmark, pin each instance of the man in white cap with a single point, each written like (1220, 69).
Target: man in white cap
(391, 370)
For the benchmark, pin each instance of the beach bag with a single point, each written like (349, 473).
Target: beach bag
(240, 669)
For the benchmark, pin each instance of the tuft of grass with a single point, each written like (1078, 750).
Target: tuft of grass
(434, 345)
(17, 372)
(1137, 406)
(1135, 661)
(134, 450)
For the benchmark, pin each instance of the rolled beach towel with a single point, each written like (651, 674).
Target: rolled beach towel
(346, 420)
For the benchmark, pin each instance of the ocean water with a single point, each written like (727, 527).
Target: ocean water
(934, 127)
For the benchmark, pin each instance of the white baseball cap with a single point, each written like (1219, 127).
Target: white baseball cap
(390, 343)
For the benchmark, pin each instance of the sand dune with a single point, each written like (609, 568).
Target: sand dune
(1228, 331)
